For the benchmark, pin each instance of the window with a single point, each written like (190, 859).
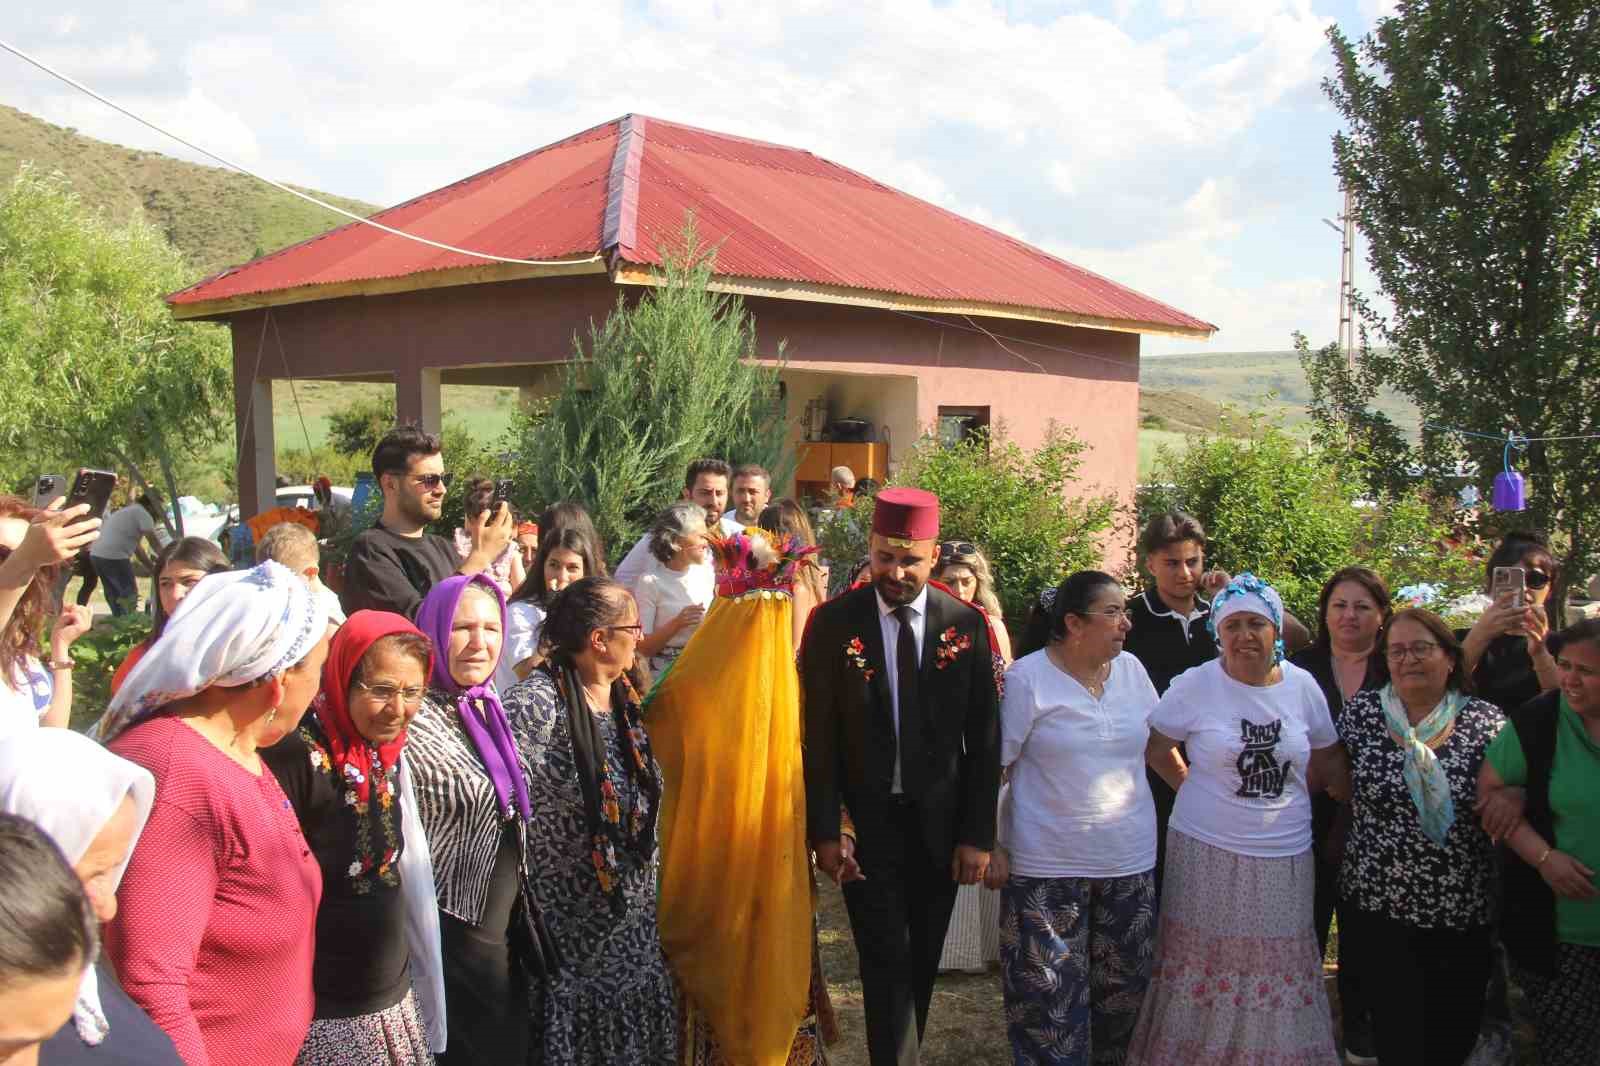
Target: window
(957, 424)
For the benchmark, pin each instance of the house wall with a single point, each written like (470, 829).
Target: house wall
(896, 369)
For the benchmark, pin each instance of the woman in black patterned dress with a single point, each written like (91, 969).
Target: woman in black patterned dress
(595, 790)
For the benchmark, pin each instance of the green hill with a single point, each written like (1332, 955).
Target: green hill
(1271, 381)
(216, 217)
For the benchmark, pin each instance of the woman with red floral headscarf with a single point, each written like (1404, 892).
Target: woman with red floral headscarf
(377, 954)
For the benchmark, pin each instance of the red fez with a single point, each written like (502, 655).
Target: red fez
(903, 514)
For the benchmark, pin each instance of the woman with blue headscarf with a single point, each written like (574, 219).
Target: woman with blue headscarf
(1237, 976)
(472, 798)
(1418, 867)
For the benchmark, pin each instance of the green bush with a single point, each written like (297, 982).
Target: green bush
(1294, 513)
(98, 653)
(1017, 505)
(1012, 503)
(357, 427)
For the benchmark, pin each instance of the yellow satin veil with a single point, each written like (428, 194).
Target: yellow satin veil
(735, 899)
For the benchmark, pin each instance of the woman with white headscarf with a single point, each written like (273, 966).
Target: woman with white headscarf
(1237, 977)
(93, 806)
(216, 928)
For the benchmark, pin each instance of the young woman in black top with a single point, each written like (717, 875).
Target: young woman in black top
(1505, 649)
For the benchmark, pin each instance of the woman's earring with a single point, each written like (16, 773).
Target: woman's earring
(271, 715)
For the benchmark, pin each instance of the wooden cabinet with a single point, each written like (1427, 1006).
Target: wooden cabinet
(818, 458)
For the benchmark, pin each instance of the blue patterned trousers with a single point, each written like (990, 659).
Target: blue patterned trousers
(1075, 956)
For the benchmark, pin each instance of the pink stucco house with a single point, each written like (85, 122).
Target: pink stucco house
(891, 310)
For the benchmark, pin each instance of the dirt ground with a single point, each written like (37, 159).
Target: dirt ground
(966, 1023)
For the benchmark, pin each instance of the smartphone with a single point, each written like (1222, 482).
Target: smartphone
(503, 488)
(92, 487)
(1512, 579)
(47, 488)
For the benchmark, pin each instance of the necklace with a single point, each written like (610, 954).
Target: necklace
(1095, 684)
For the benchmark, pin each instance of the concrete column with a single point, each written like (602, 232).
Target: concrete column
(257, 462)
(416, 398)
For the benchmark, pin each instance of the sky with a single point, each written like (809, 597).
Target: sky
(1181, 147)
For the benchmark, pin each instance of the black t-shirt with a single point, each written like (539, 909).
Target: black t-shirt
(360, 964)
(1505, 675)
(388, 572)
(1164, 642)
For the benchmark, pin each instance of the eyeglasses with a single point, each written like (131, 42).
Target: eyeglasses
(953, 549)
(432, 481)
(1536, 579)
(636, 629)
(1418, 650)
(384, 694)
(1111, 614)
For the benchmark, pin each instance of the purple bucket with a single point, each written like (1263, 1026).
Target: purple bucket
(1510, 492)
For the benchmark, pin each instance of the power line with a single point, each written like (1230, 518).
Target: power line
(998, 337)
(231, 165)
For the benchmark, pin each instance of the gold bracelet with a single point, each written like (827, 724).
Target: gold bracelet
(1542, 858)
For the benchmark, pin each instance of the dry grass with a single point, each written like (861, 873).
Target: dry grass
(966, 1024)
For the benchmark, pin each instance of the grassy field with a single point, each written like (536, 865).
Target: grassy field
(1272, 381)
(485, 411)
(216, 217)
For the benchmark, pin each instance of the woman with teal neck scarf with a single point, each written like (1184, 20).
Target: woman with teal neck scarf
(1551, 918)
(1417, 866)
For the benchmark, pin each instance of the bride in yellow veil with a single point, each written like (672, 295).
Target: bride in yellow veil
(736, 908)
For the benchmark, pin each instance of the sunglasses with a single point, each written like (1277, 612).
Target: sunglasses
(1536, 579)
(432, 481)
(954, 549)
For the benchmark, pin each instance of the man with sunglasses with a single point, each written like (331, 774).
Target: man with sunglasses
(393, 564)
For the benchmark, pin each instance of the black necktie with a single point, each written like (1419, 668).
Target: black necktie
(906, 669)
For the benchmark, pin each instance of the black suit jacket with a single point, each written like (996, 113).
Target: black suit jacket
(850, 736)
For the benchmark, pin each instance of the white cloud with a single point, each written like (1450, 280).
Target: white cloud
(1125, 135)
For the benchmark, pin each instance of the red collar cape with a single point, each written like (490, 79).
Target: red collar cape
(351, 752)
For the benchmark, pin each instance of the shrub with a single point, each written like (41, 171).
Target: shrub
(1294, 513)
(98, 653)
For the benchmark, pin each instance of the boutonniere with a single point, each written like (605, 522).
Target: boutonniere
(951, 645)
(856, 652)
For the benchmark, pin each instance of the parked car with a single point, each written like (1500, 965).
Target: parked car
(288, 496)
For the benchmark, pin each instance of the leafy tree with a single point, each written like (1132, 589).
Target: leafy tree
(1294, 514)
(664, 380)
(99, 373)
(1473, 156)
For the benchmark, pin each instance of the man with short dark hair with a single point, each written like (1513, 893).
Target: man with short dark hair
(122, 540)
(705, 482)
(903, 729)
(393, 565)
(752, 491)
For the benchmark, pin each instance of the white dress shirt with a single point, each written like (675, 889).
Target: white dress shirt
(889, 626)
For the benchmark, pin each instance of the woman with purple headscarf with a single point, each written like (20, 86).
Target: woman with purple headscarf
(472, 798)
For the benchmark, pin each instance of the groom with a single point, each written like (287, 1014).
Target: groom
(903, 731)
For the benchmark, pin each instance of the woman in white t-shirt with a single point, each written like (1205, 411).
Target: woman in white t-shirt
(674, 592)
(33, 544)
(565, 555)
(1237, 976)
(1077, 852)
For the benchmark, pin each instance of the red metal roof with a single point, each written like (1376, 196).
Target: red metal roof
(774, 213)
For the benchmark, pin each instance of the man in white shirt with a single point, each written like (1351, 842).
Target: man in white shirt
(122, 539)
(752, 491)
(706, 483)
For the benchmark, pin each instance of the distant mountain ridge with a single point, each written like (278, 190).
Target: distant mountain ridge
(217, 218)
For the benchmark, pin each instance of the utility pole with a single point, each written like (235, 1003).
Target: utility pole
(1346, 228)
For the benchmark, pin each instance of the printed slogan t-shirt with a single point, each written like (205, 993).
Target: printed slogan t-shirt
(1248, 749)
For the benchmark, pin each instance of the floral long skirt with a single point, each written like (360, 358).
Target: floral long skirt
(394, 1036)
(1237, 979)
